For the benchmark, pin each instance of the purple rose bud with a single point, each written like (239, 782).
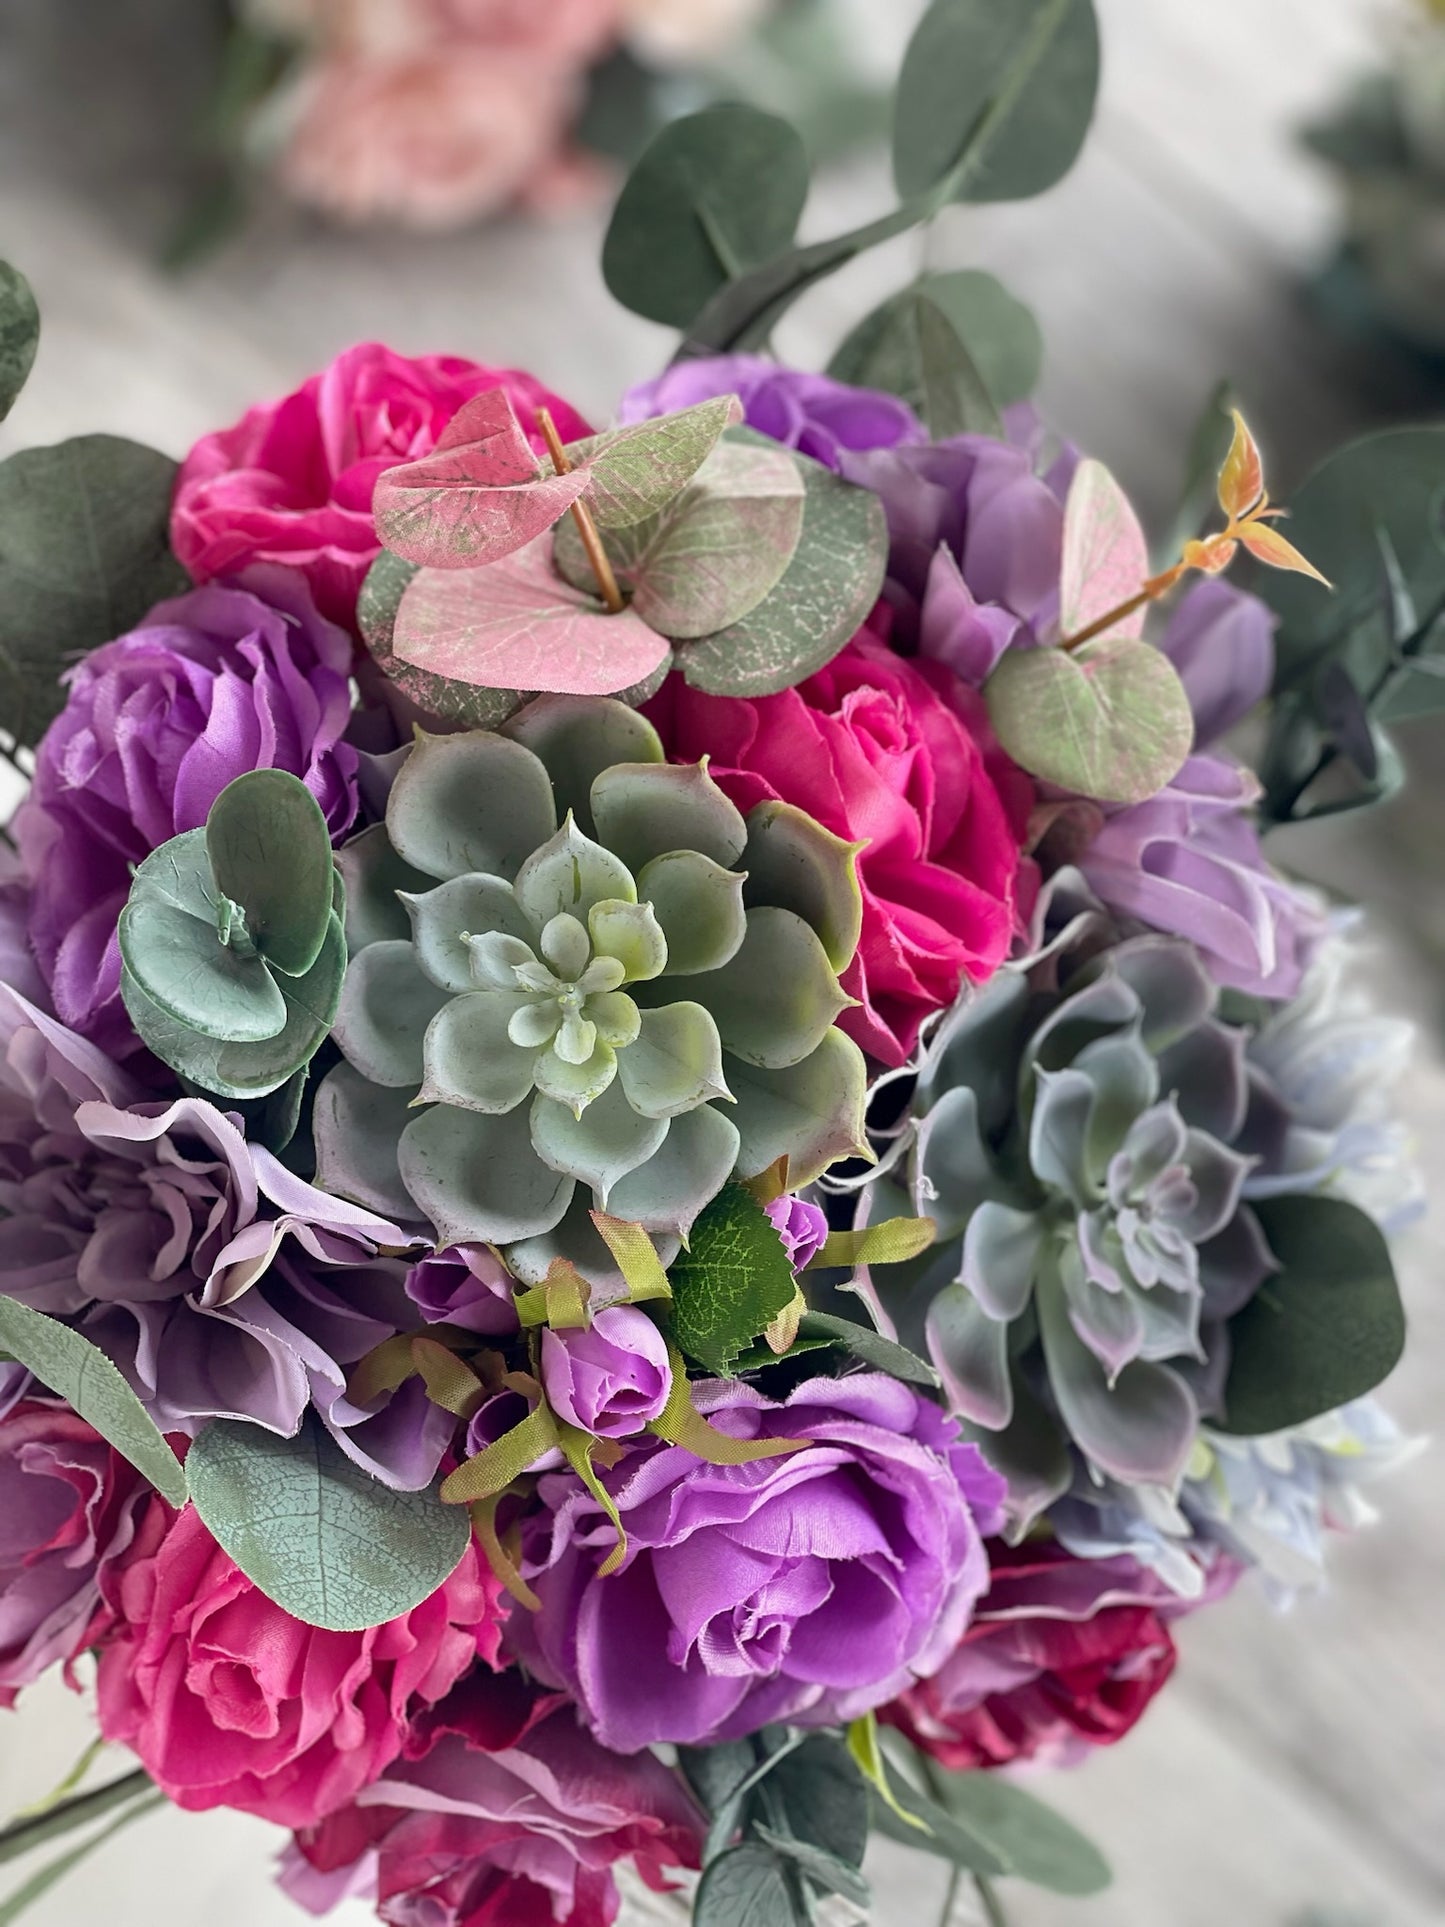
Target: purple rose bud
(611, 1380)
(803, 1228)
(465, 1285)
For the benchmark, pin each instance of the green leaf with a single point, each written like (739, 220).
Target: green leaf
(1004, 341)
(1030, 70)
(812, 1112)
(832, 582)
(778, 997)
(792, 863)
(323, 1539)
(881, 1353)
(910, 347)
(19, 334)
(715, 193)
(73, 1368)
(731, 1282)
(748, 1886)
(84, 553)
(438, 697)
(1325, 1329)
(939, 1832)
(50, 1875)
(825, 1797)
(270, 851)
(635, 471)
(1040, 1845)
(36, 1826)
(714, 553)
(824, 1869)
(1110, 720)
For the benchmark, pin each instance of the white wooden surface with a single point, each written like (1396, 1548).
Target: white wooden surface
(1296, 1763)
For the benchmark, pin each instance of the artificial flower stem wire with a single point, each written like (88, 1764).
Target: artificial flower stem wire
(1153, 589)
(582, 516)
(21, 1835)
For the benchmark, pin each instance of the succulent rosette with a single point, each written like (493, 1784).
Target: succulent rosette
(605, 986)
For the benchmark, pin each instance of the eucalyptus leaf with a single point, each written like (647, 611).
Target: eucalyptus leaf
(19, 334)
(634, 472)
(731, 1282)
(436, 697)
(270, 851)
(910, 347)
(71, 1367)
(1004, 341)
(1325, 1329)
(939, 1834)
(713, 194)
(1110, 720)
(323, 1539)
(84, 553)
(824, 1796)
(831, 584)
(824, 1869)
(1024, 77)
(1040, 1845)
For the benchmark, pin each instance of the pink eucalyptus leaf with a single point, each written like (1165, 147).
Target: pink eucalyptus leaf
(518, 625)
(1106, 559)
(479, 495)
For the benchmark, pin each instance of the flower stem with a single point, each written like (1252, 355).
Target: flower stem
(21, 1835)
(1153, 589)
(992, 1906)
(582, 516)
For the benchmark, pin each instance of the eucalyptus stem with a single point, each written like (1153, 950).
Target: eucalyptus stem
(23, 1835)
(950, 1899)
(582, 516)
(988, 1899)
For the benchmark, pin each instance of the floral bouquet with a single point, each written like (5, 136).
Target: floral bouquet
(673, 1174)
(435, 113)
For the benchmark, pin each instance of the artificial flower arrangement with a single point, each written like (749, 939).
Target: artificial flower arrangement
(436, 113)
(1385, 142)
(673, 1173)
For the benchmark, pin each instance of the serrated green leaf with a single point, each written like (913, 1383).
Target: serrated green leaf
(19, 334)
(1029, 70)
(323, 1539)
(731, 1282)
(84, 553)
(832, 582)
(270, 851)
(1110, 720)
(910, 347)
(71, 1367)
(713, 194)
(748, 1886)
(1325, 1329)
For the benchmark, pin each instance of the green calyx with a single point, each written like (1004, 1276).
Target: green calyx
(577, 996)
(232, 941)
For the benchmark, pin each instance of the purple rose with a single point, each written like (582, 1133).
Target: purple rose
(465, 1285)
(155, 725)
(816, 415)
(803, 1228)
(220, 1283)
(69, 1504)
(611, 1379)
(808, 1588)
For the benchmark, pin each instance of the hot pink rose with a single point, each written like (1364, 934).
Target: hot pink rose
(229, 1701)
(68, 1510)
(897, 756)
(292, 481)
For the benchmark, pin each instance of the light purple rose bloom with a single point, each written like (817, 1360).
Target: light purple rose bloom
(155, 725)
(68, 1506)
(807, 1589)
(222, 1285)
(611, 1379)
(1188, 861)
(803, 1228)
(465, 1285)
(818, 416)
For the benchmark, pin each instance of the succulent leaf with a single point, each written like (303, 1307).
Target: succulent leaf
(575, 738)
(463, 804)
(386, 1006)
(478, 1178)
(644, 811)
(699, 908)
(449, 921)
(778, 997)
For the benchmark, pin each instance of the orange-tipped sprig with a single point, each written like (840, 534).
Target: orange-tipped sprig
(1251, 515)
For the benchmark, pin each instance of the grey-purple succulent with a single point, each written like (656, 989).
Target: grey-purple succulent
(579, 977)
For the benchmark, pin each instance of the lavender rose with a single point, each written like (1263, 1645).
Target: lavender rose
(220, 1283)
(803, 1228)
(155, 725)
(611, 1379)
(809, 1588)
(70, 1505)
(465, 1285)
(818, 416)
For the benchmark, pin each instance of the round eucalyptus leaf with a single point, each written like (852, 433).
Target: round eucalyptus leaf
(1014, 84)
(714, 193)
(19, 334)
(434, 697)
(1110, 720)
(1325, 1329)
(320, 1537)
(1004, 341)
(171, 946)
(270, 852)
(911, 347)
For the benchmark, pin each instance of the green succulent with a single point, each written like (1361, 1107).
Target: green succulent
(579, 976)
